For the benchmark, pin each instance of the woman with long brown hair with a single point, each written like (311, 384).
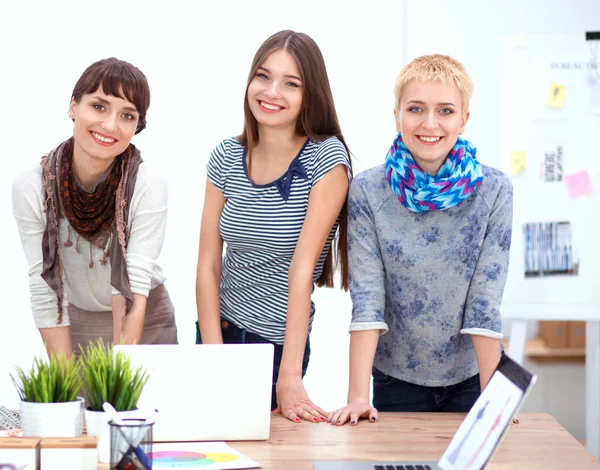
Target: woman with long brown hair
(276, 195)
(92, 222)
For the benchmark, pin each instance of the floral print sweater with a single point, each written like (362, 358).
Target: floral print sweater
(430, 280)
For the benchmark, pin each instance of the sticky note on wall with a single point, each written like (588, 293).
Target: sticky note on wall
(556, 96)
(519, 40)
(578, 184)
(518, 162)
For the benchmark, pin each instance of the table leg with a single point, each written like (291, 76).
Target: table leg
(518, 332)
(592, 380)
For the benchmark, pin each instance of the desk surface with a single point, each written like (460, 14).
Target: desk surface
(538, 441)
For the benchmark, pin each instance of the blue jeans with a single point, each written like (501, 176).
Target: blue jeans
(232, 334)
(391, 394)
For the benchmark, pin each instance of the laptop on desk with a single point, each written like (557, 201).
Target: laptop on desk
(206, 392)
(480, 433)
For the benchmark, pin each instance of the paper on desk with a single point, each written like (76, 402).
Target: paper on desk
(205, 455)
(578, 184)
(9, 419)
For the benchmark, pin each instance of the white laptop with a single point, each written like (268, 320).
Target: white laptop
(479, 434)
(206, 392)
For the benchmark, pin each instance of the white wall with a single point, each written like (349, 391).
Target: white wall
(196, 56)
(473, 32)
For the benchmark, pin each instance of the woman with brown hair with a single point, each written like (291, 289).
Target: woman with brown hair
(276, 195)
(92, 222)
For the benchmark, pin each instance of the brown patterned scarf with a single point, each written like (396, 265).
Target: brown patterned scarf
(99, 217)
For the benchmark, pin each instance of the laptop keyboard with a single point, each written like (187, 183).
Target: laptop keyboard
(401, 467)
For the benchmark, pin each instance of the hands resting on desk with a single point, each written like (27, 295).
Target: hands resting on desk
(360, 409)
(294, 404)
(353, 411)
(304, 407)
(293, 401)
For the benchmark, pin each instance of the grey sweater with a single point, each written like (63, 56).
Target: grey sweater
(428, 280)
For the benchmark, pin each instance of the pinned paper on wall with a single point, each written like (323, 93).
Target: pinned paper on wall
(578, 184)
(556, 97)
(553, 164)
(549, 249)
(518, 162)
(593, 89)
(519, 40)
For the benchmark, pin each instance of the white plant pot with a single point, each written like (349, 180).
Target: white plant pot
(96, 423)
(52, 419)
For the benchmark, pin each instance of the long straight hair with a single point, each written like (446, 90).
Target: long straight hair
(317, 120)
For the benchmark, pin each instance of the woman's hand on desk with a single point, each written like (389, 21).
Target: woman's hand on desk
(293, 401)
(354, 411)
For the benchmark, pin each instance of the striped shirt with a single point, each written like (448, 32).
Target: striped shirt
(261, 227)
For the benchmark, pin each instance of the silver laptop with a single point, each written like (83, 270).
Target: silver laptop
(479, 434)
(207, 392)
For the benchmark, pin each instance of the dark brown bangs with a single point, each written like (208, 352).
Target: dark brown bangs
(117, 78)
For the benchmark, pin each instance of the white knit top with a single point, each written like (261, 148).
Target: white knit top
(89, 288)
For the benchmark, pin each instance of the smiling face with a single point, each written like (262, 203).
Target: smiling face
(104, 126)
(275, 92)
(430, 117)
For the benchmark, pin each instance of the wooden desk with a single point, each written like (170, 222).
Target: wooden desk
(538, 441)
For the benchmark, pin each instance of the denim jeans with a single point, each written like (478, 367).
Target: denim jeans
(391, 394)
(232, 334)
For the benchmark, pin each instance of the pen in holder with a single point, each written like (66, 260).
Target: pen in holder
(131, 444)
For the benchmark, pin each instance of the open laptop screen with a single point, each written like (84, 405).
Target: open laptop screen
(206, 392)
(481, 432)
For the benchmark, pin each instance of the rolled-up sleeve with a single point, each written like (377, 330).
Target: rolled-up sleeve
(366, 271)
(482, 307)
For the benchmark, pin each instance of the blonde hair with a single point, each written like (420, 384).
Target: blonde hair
(436, 67)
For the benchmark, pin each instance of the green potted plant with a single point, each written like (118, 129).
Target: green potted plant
(50, 406)
(108, 378)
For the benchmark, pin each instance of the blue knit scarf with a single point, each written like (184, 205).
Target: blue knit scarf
(418, 191)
